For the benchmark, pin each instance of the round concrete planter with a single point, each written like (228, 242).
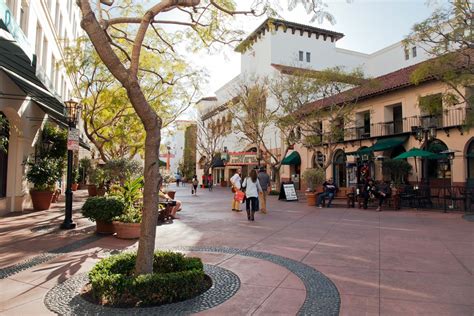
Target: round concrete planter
(103, 227)
(311, 198)
(41, 199)
(127, 230)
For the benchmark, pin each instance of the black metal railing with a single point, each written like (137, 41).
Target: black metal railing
(449, 118)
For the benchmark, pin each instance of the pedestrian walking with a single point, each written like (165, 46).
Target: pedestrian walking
(195, 184)
(252, 190)
(264, 180)
(210, 182)
(235, 182)
(178, 179)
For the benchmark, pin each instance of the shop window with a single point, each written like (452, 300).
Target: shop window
(470, 162)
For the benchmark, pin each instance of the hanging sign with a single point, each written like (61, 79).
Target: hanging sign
(73, 139)
(242, 158)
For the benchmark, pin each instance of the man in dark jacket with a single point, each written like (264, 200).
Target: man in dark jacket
(264, 180)
(329, 192)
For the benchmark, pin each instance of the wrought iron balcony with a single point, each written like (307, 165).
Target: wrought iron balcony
(449, 118)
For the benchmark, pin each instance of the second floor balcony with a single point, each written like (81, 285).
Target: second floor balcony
(449, 118)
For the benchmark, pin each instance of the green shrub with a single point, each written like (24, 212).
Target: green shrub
(175, 278)
(102, 208)
(44, 173)
(130, 215)
(274, 192)
(314, 177)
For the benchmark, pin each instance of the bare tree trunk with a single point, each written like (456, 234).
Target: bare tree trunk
(152, 124)
(276, 172)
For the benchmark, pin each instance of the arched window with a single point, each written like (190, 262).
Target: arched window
(437, 168)
(339, 168)
(4, 138)
(318, 160)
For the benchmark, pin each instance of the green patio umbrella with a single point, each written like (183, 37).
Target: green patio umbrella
(416, 152)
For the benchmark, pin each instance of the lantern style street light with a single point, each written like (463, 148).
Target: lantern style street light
(73, 108)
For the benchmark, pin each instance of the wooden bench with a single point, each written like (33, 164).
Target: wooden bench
(393, 201)
(341, 194)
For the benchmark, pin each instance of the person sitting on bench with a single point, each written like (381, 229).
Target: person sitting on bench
(329, 191)
(368, 192)
(174, 209)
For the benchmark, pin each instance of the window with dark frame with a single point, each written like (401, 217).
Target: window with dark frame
(308, 57)
(301, 55)
(413, 51)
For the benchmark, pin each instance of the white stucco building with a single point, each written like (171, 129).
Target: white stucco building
(33, 84)
(276, 45)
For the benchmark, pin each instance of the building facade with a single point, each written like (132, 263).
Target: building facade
(33, 84)
(273, 47)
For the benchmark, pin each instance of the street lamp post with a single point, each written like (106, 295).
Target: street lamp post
(73, 109)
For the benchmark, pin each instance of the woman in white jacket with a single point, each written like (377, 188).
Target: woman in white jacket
(252, 189)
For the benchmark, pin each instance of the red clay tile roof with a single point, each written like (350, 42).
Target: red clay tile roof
(392, 81)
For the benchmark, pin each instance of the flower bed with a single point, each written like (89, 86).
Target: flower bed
(175, 278)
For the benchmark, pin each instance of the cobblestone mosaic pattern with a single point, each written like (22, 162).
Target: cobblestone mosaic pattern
(64, 298)
(45, 257)
(322, 296)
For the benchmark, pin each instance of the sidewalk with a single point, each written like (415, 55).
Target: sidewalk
(388, 263)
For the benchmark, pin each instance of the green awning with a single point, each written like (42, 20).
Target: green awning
(292, 159)
(22, 71)
(384, 144)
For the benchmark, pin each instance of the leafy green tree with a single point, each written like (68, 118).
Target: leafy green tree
(110, 121)
(123, 34)
(325, 123)
(447, 37)
(189, 156)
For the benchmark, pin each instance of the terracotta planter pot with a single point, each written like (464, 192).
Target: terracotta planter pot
(103, 227)
(92, 189)
(127, 230)
(311, 198)
(100, 191)
(74, 186)
(41, 199)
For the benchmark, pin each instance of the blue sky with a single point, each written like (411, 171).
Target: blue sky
(368, 25)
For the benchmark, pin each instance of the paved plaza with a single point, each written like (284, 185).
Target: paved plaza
(371, 263)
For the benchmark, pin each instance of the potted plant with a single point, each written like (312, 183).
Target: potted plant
(313, 178)
(43, 174)
(103, 210)
(127, 225)
(97, 182)
(75, 179)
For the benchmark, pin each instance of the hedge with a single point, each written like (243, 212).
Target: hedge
(175, 278)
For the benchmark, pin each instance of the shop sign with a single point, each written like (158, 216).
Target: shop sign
(242, 158)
